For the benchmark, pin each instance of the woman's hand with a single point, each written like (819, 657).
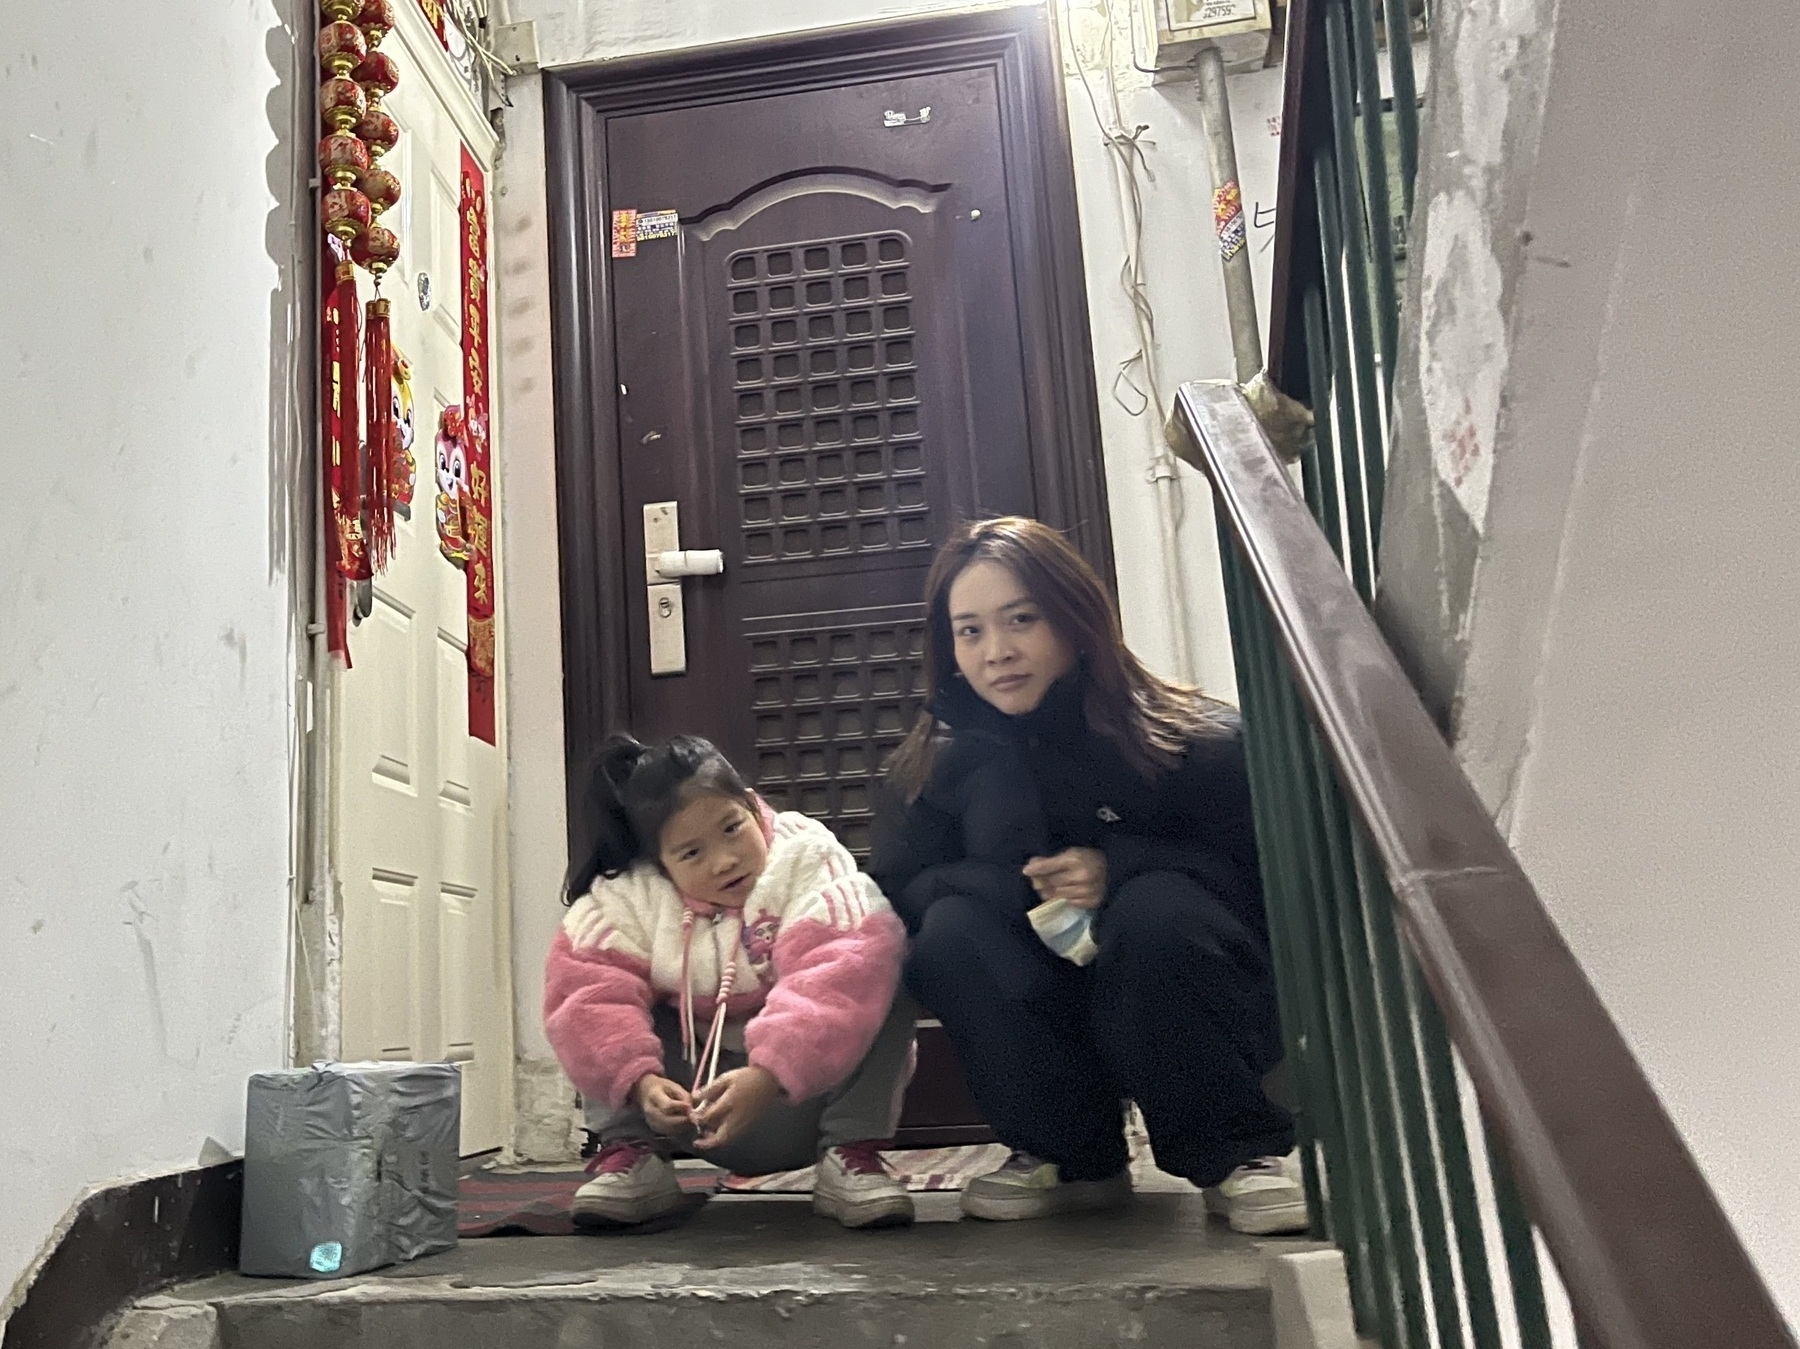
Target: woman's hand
(1074, 875)
(726, 1109)
(665, 1104)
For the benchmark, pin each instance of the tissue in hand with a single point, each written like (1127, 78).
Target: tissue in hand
(1066, 929)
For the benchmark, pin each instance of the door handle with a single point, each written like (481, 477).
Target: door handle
(665, 563)
(675, 563)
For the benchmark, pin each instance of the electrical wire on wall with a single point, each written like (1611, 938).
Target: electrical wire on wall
(1135, 387)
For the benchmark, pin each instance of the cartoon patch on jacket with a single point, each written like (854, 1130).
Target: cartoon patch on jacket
(759, 939)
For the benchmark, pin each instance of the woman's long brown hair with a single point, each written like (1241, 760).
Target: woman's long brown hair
(1149, 719)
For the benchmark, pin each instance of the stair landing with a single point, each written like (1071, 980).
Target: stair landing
(762, 1272)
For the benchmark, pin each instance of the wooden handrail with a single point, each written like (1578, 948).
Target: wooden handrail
(1646, 1253)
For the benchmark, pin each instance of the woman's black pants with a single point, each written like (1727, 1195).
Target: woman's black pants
(1177, 1013)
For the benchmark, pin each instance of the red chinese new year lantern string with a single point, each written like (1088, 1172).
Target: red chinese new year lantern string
(357, 77)
(378, 76)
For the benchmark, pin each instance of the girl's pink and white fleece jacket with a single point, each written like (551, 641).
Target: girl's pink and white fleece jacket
(817, 950)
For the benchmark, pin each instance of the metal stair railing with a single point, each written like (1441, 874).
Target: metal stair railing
(1348, 164)
(1464, 1095)
(1463, 1091)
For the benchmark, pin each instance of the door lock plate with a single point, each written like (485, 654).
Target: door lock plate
(665, 563)
(668, 630)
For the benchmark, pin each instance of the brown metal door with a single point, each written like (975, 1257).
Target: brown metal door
(823, 367)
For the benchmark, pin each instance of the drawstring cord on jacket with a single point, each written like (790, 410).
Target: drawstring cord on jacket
(687, 994)
(705, 1061)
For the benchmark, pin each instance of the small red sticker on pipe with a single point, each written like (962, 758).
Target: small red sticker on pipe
(1228, 220)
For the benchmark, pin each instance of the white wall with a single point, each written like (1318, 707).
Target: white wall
(530, 585)
(1186, 287)
(1193, 344)
(144, 647)
(1629, 703)
(1657, 797)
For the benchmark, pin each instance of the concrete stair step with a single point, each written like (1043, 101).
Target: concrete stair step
(762, 1272)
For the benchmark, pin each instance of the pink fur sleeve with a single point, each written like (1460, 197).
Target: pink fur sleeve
(833, 988)
(597, 1017)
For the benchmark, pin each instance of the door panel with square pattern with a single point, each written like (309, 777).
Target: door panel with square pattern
(823, 367)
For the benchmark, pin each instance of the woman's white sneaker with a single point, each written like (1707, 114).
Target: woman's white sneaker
(632, 1183)
(1263, 1198)
(853, 1185)
(1029, 1187)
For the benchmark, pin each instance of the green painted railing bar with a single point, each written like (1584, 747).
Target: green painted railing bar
(1321, 454)
(1357, 538)
(1406, 96)
(1409, 1096)
(1453, 1138)
(1385, 1149)
(1312, 484)
(1377, 197)
(1347, 1152)
(1332, 1074)
(1366, 1043)
(1354, 1204)
(1362, 1147)
(1402, 1236)
(1293, 965)
(1350, 258)
(1365, 1151)
(1521, 1251)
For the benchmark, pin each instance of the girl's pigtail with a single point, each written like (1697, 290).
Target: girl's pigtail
(614, 844)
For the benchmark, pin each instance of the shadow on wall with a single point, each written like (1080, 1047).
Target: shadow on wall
(287, 237)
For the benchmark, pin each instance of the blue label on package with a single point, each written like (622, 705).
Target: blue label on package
(327, 1257)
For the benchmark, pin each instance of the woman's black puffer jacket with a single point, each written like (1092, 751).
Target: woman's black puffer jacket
(1003, 789)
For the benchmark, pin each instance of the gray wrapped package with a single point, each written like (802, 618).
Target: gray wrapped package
(349, 1166)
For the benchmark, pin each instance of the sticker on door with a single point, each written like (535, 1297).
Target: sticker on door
(632, 227)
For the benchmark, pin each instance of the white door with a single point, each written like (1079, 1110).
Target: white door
(419, 826)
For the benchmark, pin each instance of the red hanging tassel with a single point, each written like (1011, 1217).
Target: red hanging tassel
(378, 501)
(351, 487)
(337, 635)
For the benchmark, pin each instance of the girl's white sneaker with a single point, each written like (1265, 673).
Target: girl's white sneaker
(853, 1185)
(632, 1183)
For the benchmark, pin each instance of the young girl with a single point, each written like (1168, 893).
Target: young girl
(1051, 765)
(725, 980)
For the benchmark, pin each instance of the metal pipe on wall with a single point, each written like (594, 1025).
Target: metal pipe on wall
(1228, 213)
(1161, 474)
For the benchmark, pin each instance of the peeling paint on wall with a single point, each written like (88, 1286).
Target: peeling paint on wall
(1469, 249)
(1464, 359)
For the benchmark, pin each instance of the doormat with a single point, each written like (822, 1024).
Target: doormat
(537, 1203)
